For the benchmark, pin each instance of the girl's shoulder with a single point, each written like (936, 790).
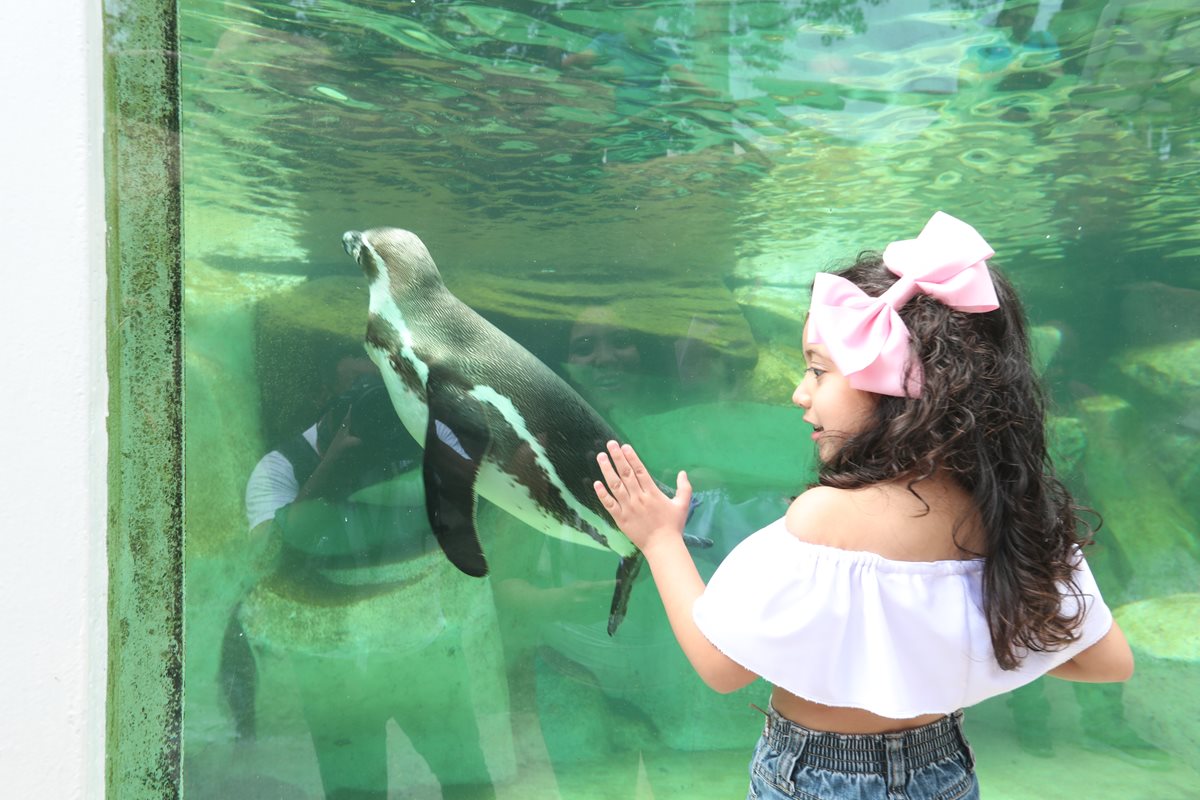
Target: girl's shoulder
(888, 520)
(815, 503)
(832, 517)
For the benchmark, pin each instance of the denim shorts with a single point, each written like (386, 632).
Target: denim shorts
(933, 762)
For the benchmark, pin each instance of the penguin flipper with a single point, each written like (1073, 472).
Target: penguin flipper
(456, 440)
(237, 675)
(692, 541)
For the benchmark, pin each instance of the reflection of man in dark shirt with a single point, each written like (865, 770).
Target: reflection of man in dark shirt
(348, 489)
(363, 614)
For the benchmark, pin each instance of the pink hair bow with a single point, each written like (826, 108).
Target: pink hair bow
(866, 337)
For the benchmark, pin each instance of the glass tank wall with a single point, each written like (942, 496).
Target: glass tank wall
(639, 193)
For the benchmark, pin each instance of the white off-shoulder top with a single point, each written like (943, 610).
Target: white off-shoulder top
(854, 629)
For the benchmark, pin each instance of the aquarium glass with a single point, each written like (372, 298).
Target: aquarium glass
(638, 194)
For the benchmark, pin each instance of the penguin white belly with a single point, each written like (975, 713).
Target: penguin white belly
(516, 498)
(501, 488)
(409, 406)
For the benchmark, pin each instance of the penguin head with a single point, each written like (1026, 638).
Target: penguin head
(398, 254)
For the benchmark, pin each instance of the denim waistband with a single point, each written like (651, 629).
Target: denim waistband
(889, 754)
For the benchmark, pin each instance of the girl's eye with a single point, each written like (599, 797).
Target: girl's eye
(816, 371)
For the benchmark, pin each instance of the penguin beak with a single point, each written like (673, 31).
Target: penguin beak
(352, 242)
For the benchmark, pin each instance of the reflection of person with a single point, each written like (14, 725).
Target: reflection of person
(1101, 706)
(1019, 57)
(363, 611)
(604, 361)
(935, 565)
(618, 370)
(640, 62)
(705, 373)
(616, 699)
(1102, 718)
(645, 69)
(328, 453)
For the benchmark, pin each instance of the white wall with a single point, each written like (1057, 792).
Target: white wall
(52, 401)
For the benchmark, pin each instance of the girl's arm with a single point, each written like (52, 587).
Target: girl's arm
(1107, 661)
(654, 522)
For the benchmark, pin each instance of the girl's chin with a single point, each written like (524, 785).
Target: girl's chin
(827, 448)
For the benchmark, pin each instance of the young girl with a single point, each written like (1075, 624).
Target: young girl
(936, 564)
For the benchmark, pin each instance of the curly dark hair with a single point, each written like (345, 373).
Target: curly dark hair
(980, 418)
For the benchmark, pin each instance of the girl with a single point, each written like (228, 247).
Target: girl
(936, 564)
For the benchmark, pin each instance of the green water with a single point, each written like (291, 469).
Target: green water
(648, 224)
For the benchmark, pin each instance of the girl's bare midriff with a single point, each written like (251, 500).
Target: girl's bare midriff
(841, 720)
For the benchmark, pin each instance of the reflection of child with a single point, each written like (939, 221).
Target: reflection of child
(604, 361)
(935, 565)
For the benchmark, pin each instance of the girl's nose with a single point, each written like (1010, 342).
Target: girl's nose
(800, 396)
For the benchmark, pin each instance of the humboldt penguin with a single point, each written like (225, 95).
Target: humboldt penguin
(493, 419)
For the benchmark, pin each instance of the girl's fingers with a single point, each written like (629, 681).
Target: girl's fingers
(615, 485)
(606, 499)
(683, 489)
(640, 473)
(621, 463)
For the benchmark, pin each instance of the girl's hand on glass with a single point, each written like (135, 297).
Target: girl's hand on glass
(635, 502)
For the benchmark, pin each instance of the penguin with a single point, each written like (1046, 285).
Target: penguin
(493, 419)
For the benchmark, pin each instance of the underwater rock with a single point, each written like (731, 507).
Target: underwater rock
(776, 375)
(597, 695)
(1044, 340)
(229, 246)
(1156, 313)
(1161, 700)
(666, 307)
(1153, 535)
(221, 396)
(222, 441)
(775, 313)
(1166, 628)
(1067, 442)
(1170, 371)
(1180, 450)
(1169, 375)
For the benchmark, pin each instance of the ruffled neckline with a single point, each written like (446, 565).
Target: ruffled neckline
(865, 558)
(852, 628)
